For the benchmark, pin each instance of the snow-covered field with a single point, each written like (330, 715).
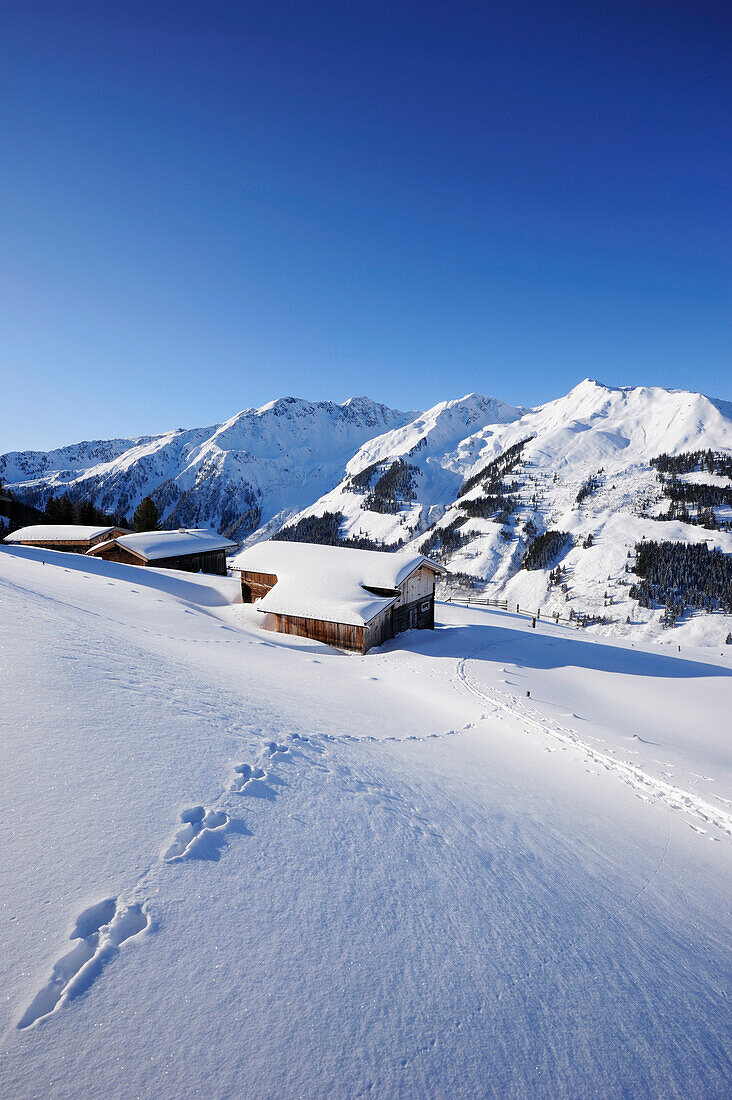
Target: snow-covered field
(237, 864)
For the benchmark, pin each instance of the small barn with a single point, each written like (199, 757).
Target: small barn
(72, 538)
(351, 599)
(194, 551)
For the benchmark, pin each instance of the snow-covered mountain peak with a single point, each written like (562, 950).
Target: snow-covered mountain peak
(435, 431)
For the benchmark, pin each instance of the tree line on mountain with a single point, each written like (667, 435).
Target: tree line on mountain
(545, 549)
(458, 579)
(702, 517)
(498, 502)
(15, 513)
(713, 462)
(395, 485)
(701, 495)
(694, 493)
(681, 576)
(445, 540)
(491, 475)
(325, 530)
(360, 482)
(497, 506)
(693, 502)
(62, 509)
(593, 483)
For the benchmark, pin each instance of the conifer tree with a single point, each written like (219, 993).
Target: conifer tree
(87, 513)
(60, 509)
(146, 517)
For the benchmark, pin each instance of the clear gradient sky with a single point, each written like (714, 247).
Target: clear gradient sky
(209, 205)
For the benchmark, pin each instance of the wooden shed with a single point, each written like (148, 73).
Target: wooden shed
(350, 599)
(72, 538)
(193, 551)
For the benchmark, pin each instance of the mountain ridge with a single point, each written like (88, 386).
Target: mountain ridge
(230, 475)
(472, 480)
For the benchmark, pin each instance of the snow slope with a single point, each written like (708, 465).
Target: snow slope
(238, 864)
(231, 476)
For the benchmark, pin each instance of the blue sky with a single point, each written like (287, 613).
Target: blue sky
(208, 206)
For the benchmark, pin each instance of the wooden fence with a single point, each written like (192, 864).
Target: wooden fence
(580, 618)
(478, 602)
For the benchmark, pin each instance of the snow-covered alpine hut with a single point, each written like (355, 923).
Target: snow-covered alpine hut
(194, 551)
(351, 599)
(72, 538)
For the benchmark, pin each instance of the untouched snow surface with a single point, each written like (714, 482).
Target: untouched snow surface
(237, 864)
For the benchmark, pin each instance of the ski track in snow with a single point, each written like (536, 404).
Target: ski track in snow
(647, 787)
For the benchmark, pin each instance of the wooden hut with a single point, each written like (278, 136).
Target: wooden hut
(351, 599)
(193, 551)
(72, 538)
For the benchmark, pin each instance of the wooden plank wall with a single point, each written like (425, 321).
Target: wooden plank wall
(65, 547)
(213, 562)
(119, 554)
(424, 614)
(255, 585)
(379, 629)
(340, 635)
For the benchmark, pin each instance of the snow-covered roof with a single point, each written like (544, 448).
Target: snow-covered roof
(57, 532)
(329, 582)
(155, 545)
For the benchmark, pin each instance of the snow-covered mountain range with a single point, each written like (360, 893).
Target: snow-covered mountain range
(472, 481)
(258, 465)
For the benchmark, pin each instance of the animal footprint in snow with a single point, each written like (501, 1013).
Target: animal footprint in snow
(101, 930)
(273, 749)
(197, 823)
(244, 774)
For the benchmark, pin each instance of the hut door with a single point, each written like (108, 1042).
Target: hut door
(412, 618)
